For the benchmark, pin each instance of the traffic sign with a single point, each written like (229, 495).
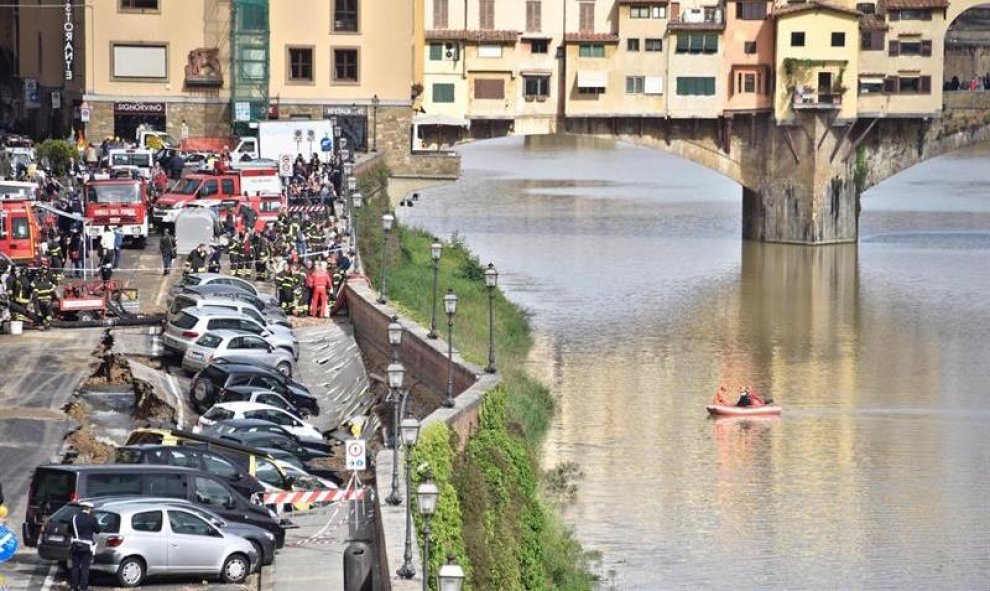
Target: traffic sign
(326, 144)
(285, 165)
(357, 455)
(8, 544)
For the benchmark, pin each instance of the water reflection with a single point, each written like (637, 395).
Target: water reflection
(644, 300)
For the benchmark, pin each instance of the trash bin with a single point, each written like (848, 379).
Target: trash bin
(357, 567)
(16, 327)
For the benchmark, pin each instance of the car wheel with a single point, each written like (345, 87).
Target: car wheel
(86, 316)
(131, 572)
(304, 414)
(261, 555)
(235, 569)
(284, 368)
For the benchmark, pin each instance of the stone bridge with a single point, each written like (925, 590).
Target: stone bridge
(802, 183)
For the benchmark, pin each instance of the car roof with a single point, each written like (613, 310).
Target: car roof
(250, 423)
(245, 406)
(114, 467)
(213, 312)
(226, 333)
(228, 366)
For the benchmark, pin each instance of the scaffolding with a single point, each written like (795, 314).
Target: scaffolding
(249, 34)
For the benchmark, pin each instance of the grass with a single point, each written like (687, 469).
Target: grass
(529, 405)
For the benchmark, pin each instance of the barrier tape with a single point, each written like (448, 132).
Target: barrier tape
(312, 496)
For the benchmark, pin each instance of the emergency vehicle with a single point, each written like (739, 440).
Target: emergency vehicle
(121, 203)
(20, 233)
(260, 188)
(131, 159)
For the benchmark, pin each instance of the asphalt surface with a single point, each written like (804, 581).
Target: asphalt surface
(41, 370)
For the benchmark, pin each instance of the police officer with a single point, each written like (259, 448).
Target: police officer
(84, 529)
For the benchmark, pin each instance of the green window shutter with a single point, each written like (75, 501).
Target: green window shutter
(443, 93)
(682, 43)
(709, 86)
(436, 52)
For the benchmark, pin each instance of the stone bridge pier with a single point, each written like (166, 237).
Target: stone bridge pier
(801, 182)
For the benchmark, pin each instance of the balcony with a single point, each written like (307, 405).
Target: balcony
(709, 18)
(808, 99)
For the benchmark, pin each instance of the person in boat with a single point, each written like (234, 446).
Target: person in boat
(720, 398)
(744, 398)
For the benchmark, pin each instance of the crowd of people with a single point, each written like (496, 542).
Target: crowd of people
(975, 84)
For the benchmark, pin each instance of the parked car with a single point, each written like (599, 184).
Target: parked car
(207, 386)
(142, 539)
(191, 457)
(57, 484)
(188, 296)
(263, 435)
(254, 410)
(217, 344)
(194, 279)
(262, 396)
(188, 325)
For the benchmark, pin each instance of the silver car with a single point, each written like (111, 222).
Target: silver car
(221, 279)
(139, 539)
(221, 344)
(187, 326)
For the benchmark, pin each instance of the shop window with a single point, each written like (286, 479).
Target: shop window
(695, 86)
(345, 65)
(443, 93)
(797, 38)
(345, 16)
(300, 64)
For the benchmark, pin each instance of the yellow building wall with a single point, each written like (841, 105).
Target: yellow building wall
(181, 27)
(385, 51)
(817, 25)
(880, 62)
(696, 65)
(639, 63)
(590, 104)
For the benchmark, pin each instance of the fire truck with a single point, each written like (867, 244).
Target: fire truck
(121, 203)
(20, 232)
(260, 188)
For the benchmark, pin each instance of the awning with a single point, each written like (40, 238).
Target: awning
(440, 120)
(592, 79)
(871, 79)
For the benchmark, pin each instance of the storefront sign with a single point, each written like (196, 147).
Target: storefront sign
(329, 111)
(56, 99)
(31, 98)
(84, 112)
(69, 49)
(135, 108)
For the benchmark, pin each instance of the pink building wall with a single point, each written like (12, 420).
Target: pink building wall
(737, 33)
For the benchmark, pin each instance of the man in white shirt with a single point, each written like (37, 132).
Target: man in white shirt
(106, 241)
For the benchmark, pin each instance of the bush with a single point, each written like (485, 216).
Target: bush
(57, 153)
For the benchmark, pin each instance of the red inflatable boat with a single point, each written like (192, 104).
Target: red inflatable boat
(743, 411)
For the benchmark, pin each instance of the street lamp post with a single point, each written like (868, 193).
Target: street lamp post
(375, 101)
(426, 496)
(451, 576)
(394, 337)
(436, 249)
(396, 373)
(387, 221)
(450, 307)
(491, 280)
(410, 435)
(357, 199)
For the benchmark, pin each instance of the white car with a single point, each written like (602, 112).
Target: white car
(185, 328)
(194, 279)
(221, 344)
(254, 410)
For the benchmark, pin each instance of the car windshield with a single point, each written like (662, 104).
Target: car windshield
(184, 320)
(142, 160)
(187, 186)
(52, 486)
(109, 522)
(117, 193)
(210, 341)
(218, 414)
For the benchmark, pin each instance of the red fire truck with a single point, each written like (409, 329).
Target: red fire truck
(260, 184)
(20, 233)
(121, 203)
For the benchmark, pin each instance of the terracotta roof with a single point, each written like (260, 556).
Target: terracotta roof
(872, 22)
(591, 38)
(812, 5)
(640, 2)
(471, 35)
(899, 4)
(683, 26)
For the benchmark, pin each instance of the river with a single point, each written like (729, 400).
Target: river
(644, 299)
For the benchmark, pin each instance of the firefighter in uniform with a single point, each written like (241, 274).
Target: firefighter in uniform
(285, 280)
(196, 260)
(299, 303)
(282, 221)
(247, 255)
(56, 259)
(236, 252)
(262, 251)
(21, 290)
(44, 292)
